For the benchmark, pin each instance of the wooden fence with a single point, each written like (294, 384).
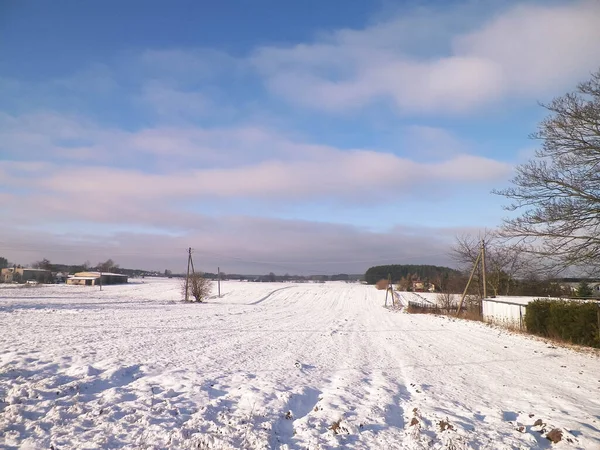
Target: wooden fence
(431, 308)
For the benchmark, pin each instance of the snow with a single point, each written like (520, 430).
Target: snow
(290, 366)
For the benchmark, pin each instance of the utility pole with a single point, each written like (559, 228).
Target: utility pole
(187, 276)
(219, 280)
(483, 268)
(468, 283)
(100, 278)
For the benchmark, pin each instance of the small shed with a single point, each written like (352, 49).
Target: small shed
(96, 278)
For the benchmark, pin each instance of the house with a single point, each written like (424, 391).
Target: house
(571, 285)
(422, 286)
(60, 277)
(25, 274)
(97, 278)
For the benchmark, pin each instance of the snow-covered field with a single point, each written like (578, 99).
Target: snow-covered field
(315, 366)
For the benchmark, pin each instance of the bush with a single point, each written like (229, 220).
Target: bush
(536, 317)
(199, 288)
(575, 322)
(446, 301)
(584, 290)
(382, 284)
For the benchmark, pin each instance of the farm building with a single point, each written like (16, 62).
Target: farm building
(96, 278)
(422, 286)
(24, 274)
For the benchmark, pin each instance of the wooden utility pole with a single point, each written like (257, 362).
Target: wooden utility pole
(468, 283)
(187, 276)
(483, 273)
(219, 280)
(100, 278)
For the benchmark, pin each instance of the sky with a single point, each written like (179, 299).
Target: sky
(293, 137)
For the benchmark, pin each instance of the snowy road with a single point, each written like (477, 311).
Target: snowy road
(310, 366)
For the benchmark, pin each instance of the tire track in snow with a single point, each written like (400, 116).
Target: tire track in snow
(266, 297)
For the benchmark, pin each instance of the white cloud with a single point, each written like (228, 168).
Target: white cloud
(347, 176)
(52, 136)
(238, 244)
(527, 50)
(77, 161)
(536, 47)
(72, 173)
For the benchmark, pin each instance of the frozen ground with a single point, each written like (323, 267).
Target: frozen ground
(315, 366)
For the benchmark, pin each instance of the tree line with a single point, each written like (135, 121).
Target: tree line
(398, 272)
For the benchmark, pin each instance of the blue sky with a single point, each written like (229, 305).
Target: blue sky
(287, 136)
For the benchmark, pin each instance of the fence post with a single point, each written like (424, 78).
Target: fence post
(598, 314)
(520, 317)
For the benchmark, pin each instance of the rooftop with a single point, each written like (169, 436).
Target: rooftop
(97, 274)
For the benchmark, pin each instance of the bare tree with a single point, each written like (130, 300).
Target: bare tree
(465, 252)
(107, 266)
(404, 284)
(446, 301)
(199, 287)
(558, 192)
(43, 264)
(504, 260)
(504, 263)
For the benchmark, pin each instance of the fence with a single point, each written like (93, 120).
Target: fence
(510, 312)
(430, 308)
(504, 312)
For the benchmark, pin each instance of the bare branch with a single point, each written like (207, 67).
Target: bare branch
(558, 192)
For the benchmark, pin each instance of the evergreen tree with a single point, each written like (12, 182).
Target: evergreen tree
(584, 290)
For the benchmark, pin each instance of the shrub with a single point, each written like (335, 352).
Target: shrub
(382, 284)
(446, 301)
(199, 288)
(584, 290)
(536, 317)
(571, 321)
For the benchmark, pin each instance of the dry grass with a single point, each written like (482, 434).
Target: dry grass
(467, 314)
(337, 428)
(471, 314)
(555, 436)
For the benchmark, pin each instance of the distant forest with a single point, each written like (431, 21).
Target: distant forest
(398, 271)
